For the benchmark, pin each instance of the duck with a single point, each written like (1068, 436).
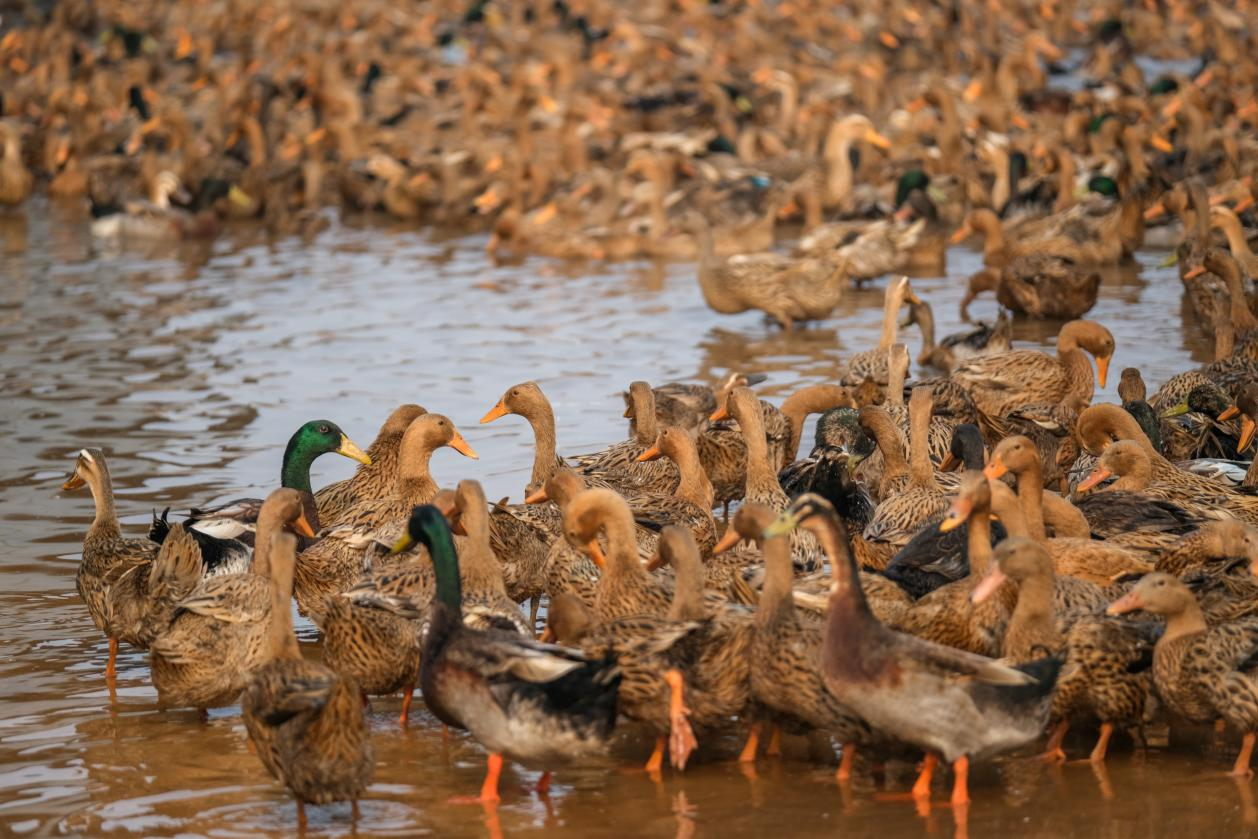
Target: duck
(538, 704)
(724, 454)
(691, 505)
(154, 220)
(1102, 425)
(1134, 397)
(837, 436)
(1216, 291)
(1083, 558)
(961, 346)
(945, 615)
(1214, 542)
(1106, 675)
(305, 722)
(977, 706)
(785, 652)
(335, 562)
(1038, 286)
(1225, 219)
(762, 485)
(129, 586)
(1201, 673)
(690, 405)
(900, 514)
(374, 478)
(1122, 507)
(16, 181)
(1002, 382)
(235, 519)
(787, 289)
(873, 363)
(649, 650)
(215, 639)
(527, 400)
(620, 463)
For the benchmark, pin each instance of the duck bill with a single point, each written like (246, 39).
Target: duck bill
(875, 139)
(350, 450)
(963, 233)
(1176, 411)
(1171, 259)
(911, 298)
(783, 525)
(652, 453)
(537, 497)
(1098, 475)
(1231, 411)
(1155, 210)
(302, 525)
(496, 412)
(729, 540)
(987, 586)
(1247, 433)
(720, 414)
(1161, 144)
(1102, 371)
(1195, 272)
(595, 553)
(74, 482)
(460, 445)
(548, 636)
(401, 544)
(655, 563)
(1129, 602)
(995, 469)
(950, 463)
(957, 514)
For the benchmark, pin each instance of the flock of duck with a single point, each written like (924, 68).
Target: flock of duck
(961, 564)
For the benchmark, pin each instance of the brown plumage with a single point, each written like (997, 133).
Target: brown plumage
(1202, 673)
(373, 480)
(307, 723)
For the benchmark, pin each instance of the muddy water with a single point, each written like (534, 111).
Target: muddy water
(192, 366)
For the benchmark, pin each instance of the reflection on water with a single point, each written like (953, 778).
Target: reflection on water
(191, 366)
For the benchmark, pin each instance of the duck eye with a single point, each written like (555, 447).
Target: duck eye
(323, 429)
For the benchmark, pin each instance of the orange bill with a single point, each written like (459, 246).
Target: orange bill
(595, 553)
(1129, 602)
(995, 469)
(1154, 210)
(1194, 272)
(1102, 370)
(729, 540)
(1231, 411)
(720, 414)
(499, 410)
(302, 525)
(75, 481)
(548, 636)
(992, 580)
(537, 497)
(957, 514)
(950, 463)
(460, 445)
(1247, 433)
(1098, 475)
(652, 453)
(963, 233)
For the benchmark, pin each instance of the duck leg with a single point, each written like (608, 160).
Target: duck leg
(111, 670)
(1053, 751)
(681, 738)
(921, 788)
(1241, 768)
(406, 707)
(748, 754)
(1102, 743)
(961, 781)
(493, 768)
(845, 764)
(656, 760)
(543, 784)
(535, 603)
(301, 817)
(775, 742)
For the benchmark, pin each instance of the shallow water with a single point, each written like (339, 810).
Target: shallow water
(191, 368)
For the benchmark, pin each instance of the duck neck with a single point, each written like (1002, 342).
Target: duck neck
(694, 485)
(714, 291)
(978, 539)
(799, 405)
(541, 418)
(1033, 616)
(1031, 499)
(1242, 318)
(299, 455)
(281, 639)
(445, 563)
(478, 564)
(1065, 182)
(993, 241)
(1187, 622)
(919, 446)
(839, 172)
(760, 473)
(105, 524)
(1236, 242)
(269, 523)
(888, 442)
(646, 427)
(847, 598)
(1078, 368)
(414, 482)
(622, 548)
(926, 322)
(777, 603)
(890, 317)
(687, 604)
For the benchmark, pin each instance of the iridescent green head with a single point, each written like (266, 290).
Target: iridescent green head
(315, 438)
